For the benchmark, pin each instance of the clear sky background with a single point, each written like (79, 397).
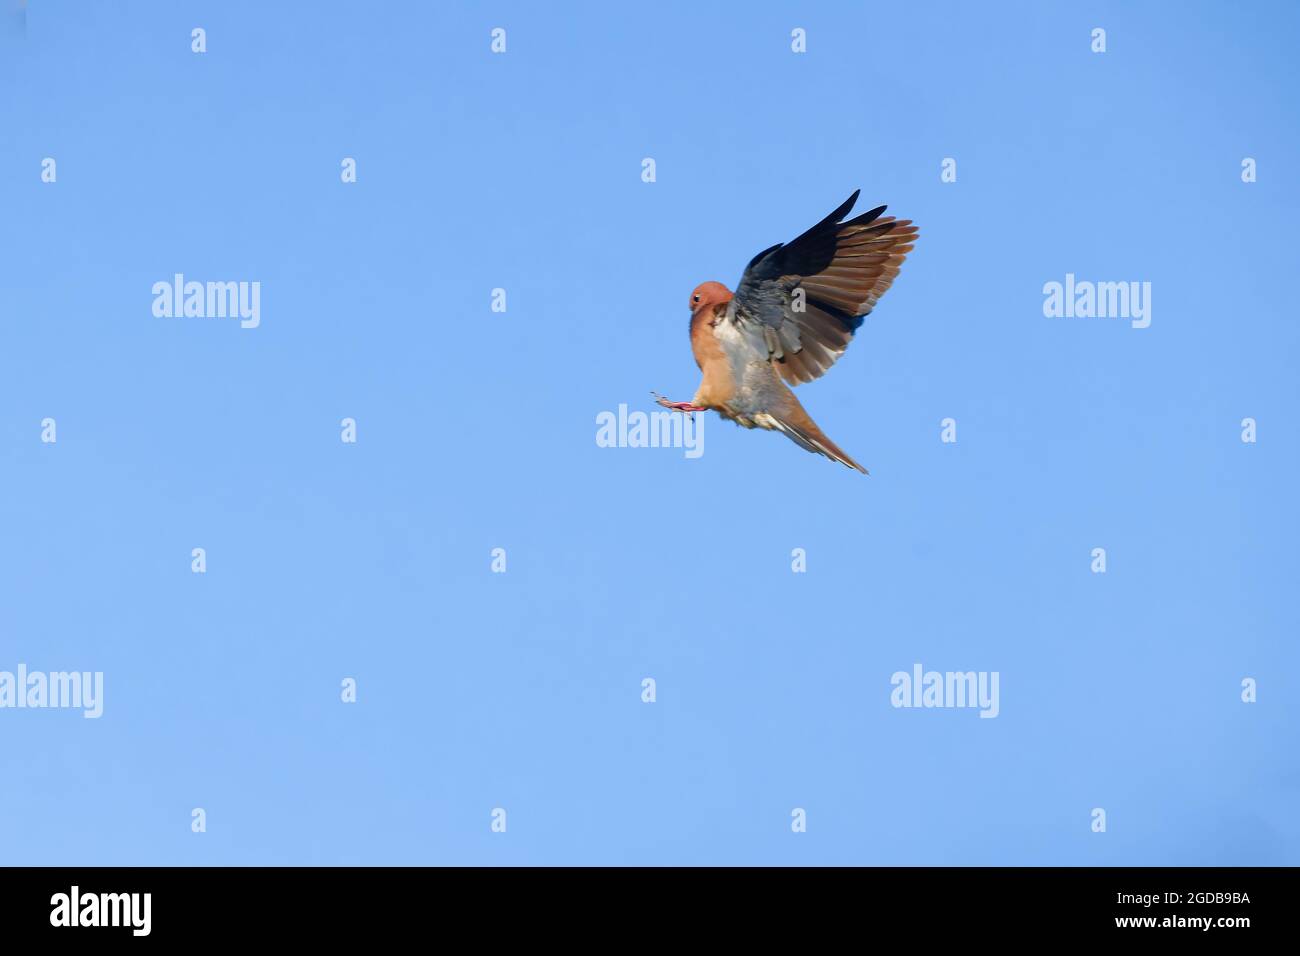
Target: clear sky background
(476, 430)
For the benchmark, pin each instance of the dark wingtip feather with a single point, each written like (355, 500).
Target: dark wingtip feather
(830, 222)
(845, 207)
(869, 216)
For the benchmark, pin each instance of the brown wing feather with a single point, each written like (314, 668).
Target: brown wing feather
(866, 260)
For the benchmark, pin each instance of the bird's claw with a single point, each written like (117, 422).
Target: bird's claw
(676, 406)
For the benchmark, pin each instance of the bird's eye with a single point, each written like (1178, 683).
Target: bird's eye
(696, 297)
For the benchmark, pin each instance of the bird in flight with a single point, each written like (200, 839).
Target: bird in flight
(792, 315)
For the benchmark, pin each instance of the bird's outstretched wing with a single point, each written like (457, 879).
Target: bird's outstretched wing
(807, 297)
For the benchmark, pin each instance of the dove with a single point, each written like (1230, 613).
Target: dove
(793, 314)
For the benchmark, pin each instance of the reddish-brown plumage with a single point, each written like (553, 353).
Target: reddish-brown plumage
(708, 303)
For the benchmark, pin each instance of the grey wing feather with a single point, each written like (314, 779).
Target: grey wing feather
(810, 295)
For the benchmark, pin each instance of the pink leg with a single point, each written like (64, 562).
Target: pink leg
(678, 406)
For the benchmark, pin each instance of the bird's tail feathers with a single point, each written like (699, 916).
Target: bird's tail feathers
(803, 431)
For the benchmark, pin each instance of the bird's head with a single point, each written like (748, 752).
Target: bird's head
(709, 295)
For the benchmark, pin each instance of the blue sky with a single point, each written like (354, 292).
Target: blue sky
(476, 430)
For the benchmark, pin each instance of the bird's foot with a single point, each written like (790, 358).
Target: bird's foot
(677, 406)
